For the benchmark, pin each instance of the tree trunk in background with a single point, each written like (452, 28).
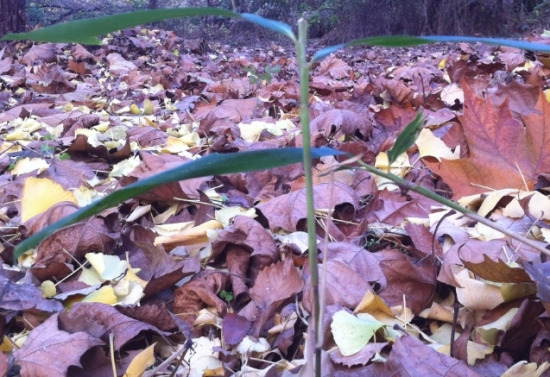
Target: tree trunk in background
(152, 4)
(12, 16)
(236, 5)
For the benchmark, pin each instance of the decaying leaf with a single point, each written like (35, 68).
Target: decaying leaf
(51, 351)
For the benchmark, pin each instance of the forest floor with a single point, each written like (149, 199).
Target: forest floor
(210, 276)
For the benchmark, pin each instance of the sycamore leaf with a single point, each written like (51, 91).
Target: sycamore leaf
(352, 333)
(504, 151)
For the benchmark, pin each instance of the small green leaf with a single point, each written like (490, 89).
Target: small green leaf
(406, 139)
(272, 70)
(278, 26)
(213, 164)
(352, 333)
(226, 295)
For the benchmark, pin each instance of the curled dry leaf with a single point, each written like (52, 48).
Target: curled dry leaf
(284, 212)
(100, 320)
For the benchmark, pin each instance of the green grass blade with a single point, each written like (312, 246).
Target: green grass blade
(278, 26)
(524, 45)
(385, 40)
(86, 31)
(406, 41)
(406, 139)
(213, 164)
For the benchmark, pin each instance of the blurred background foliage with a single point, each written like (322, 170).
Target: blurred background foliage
(332, 20)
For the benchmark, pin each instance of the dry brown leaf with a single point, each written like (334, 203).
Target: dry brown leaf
(49, 351)
(498, 271)
(100, 320)
(504, 153)
(284, 212)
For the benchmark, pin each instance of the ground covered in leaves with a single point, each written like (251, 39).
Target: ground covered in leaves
(210, 276)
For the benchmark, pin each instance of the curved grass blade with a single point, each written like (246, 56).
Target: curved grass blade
(384, 40)
(524, 45)
(213, 164)
(406, 139)
(278, 26)
(407, 41)
(86, 31)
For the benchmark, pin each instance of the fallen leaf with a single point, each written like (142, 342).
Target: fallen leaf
(351, 333)
(49, 351)
(100, 320)
(18, 297)
(475, 294)
(141, 362)
(503, 151)
(498, 271)
(39, 194)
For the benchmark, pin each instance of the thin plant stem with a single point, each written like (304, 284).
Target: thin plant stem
(303, 66)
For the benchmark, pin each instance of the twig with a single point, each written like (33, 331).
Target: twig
(167, 362)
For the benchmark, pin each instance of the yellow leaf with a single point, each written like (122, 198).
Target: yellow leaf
(451, 94)
(109, 267)
(477, 351)
(104, 295)
(148, 107)
(174, 145)
(93, 136)
(191, 236)
(429, 145)
(400, 167)
(134, 109)
(39, 194)
(539, 206)
(490, 331)
(371, 303)
(28, 165)
(524, 369)
(141, 362)
(352, 333)
(48, 289)
(475, 294)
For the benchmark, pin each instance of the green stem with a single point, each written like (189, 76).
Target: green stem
(311, 224)
(457, 207)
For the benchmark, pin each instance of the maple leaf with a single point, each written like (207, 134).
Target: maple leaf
(49, 351)
(504, 152)
(274, 285)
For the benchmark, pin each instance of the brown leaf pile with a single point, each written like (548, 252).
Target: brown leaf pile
(213, 271)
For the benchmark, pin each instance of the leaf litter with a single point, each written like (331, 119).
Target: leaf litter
(210, 276)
